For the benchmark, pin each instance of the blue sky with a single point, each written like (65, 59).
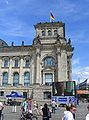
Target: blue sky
(18, 17)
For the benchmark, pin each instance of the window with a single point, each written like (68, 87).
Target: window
(15, 79)
(55, 32)
(49, 62)
(26, 79)
(47, 95)
(5, 62)
(49, 33)
(27, 62)
(16, 63)
(5, 79)
(48, 78)
(1, 93)
(43, 33)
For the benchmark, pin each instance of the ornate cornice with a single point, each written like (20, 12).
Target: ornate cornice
(49, 24)
(16, 49)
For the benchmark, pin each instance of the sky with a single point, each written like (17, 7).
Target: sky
(18, 17)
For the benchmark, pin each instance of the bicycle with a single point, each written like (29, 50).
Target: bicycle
(25, 116)
(28, 116)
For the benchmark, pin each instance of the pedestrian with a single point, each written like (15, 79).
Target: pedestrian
(40, 110)
(1, 108)
(24, 105)
(14, 105)
(53, 106)
(87, 116)
(69, 114)
(46, 112)
(35, 104)
(29, 106)
(35, 109)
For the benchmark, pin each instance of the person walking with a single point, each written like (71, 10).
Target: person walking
(53, 106)
(29, 106)
(14, 105)
(45, 111)
(69, 114)
(1, 108)
(24, 105)
(87, 116)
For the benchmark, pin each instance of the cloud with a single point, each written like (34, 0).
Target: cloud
(76, 61)
(81, 73)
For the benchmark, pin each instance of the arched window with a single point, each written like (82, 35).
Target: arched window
(6, 62)
(15, 79)
(5, 79)
(43, 33)
(55, 32)
(49, 62)
(49, 33)
(26, 79)
(27, 62)
(16, 61)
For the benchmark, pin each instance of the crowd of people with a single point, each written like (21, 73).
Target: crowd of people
(32, 107)
(45, 111)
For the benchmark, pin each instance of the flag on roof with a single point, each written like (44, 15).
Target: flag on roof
(51, 16)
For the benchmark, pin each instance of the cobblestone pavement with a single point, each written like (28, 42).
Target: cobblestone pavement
(80, 115)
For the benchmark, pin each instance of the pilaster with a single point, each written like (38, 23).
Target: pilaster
(10, 75)
(21, 81)
(59, 65)
(38, 68)
(0, 71)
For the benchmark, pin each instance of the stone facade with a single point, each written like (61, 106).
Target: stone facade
(31, 69)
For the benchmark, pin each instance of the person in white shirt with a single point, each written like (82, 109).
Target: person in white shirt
(87, 116)
(1, 108)
(53, 106)
(69, 113)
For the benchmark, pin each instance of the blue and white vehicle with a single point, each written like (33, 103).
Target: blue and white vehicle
(63, 92)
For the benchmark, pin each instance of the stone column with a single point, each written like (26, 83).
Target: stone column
(21, 81)
(70, 67)
(64, 65)
(59, 66)
(38, 68)
(43, 82)
(0, 71)
(53, 77)
(10, 74)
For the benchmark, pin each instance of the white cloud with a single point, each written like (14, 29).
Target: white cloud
(81, 73)
(76, 61)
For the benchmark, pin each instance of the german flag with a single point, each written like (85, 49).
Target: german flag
(51, 16)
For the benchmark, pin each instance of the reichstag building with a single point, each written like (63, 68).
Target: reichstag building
(31, 69)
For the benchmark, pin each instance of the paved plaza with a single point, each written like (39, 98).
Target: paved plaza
(80, 115)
